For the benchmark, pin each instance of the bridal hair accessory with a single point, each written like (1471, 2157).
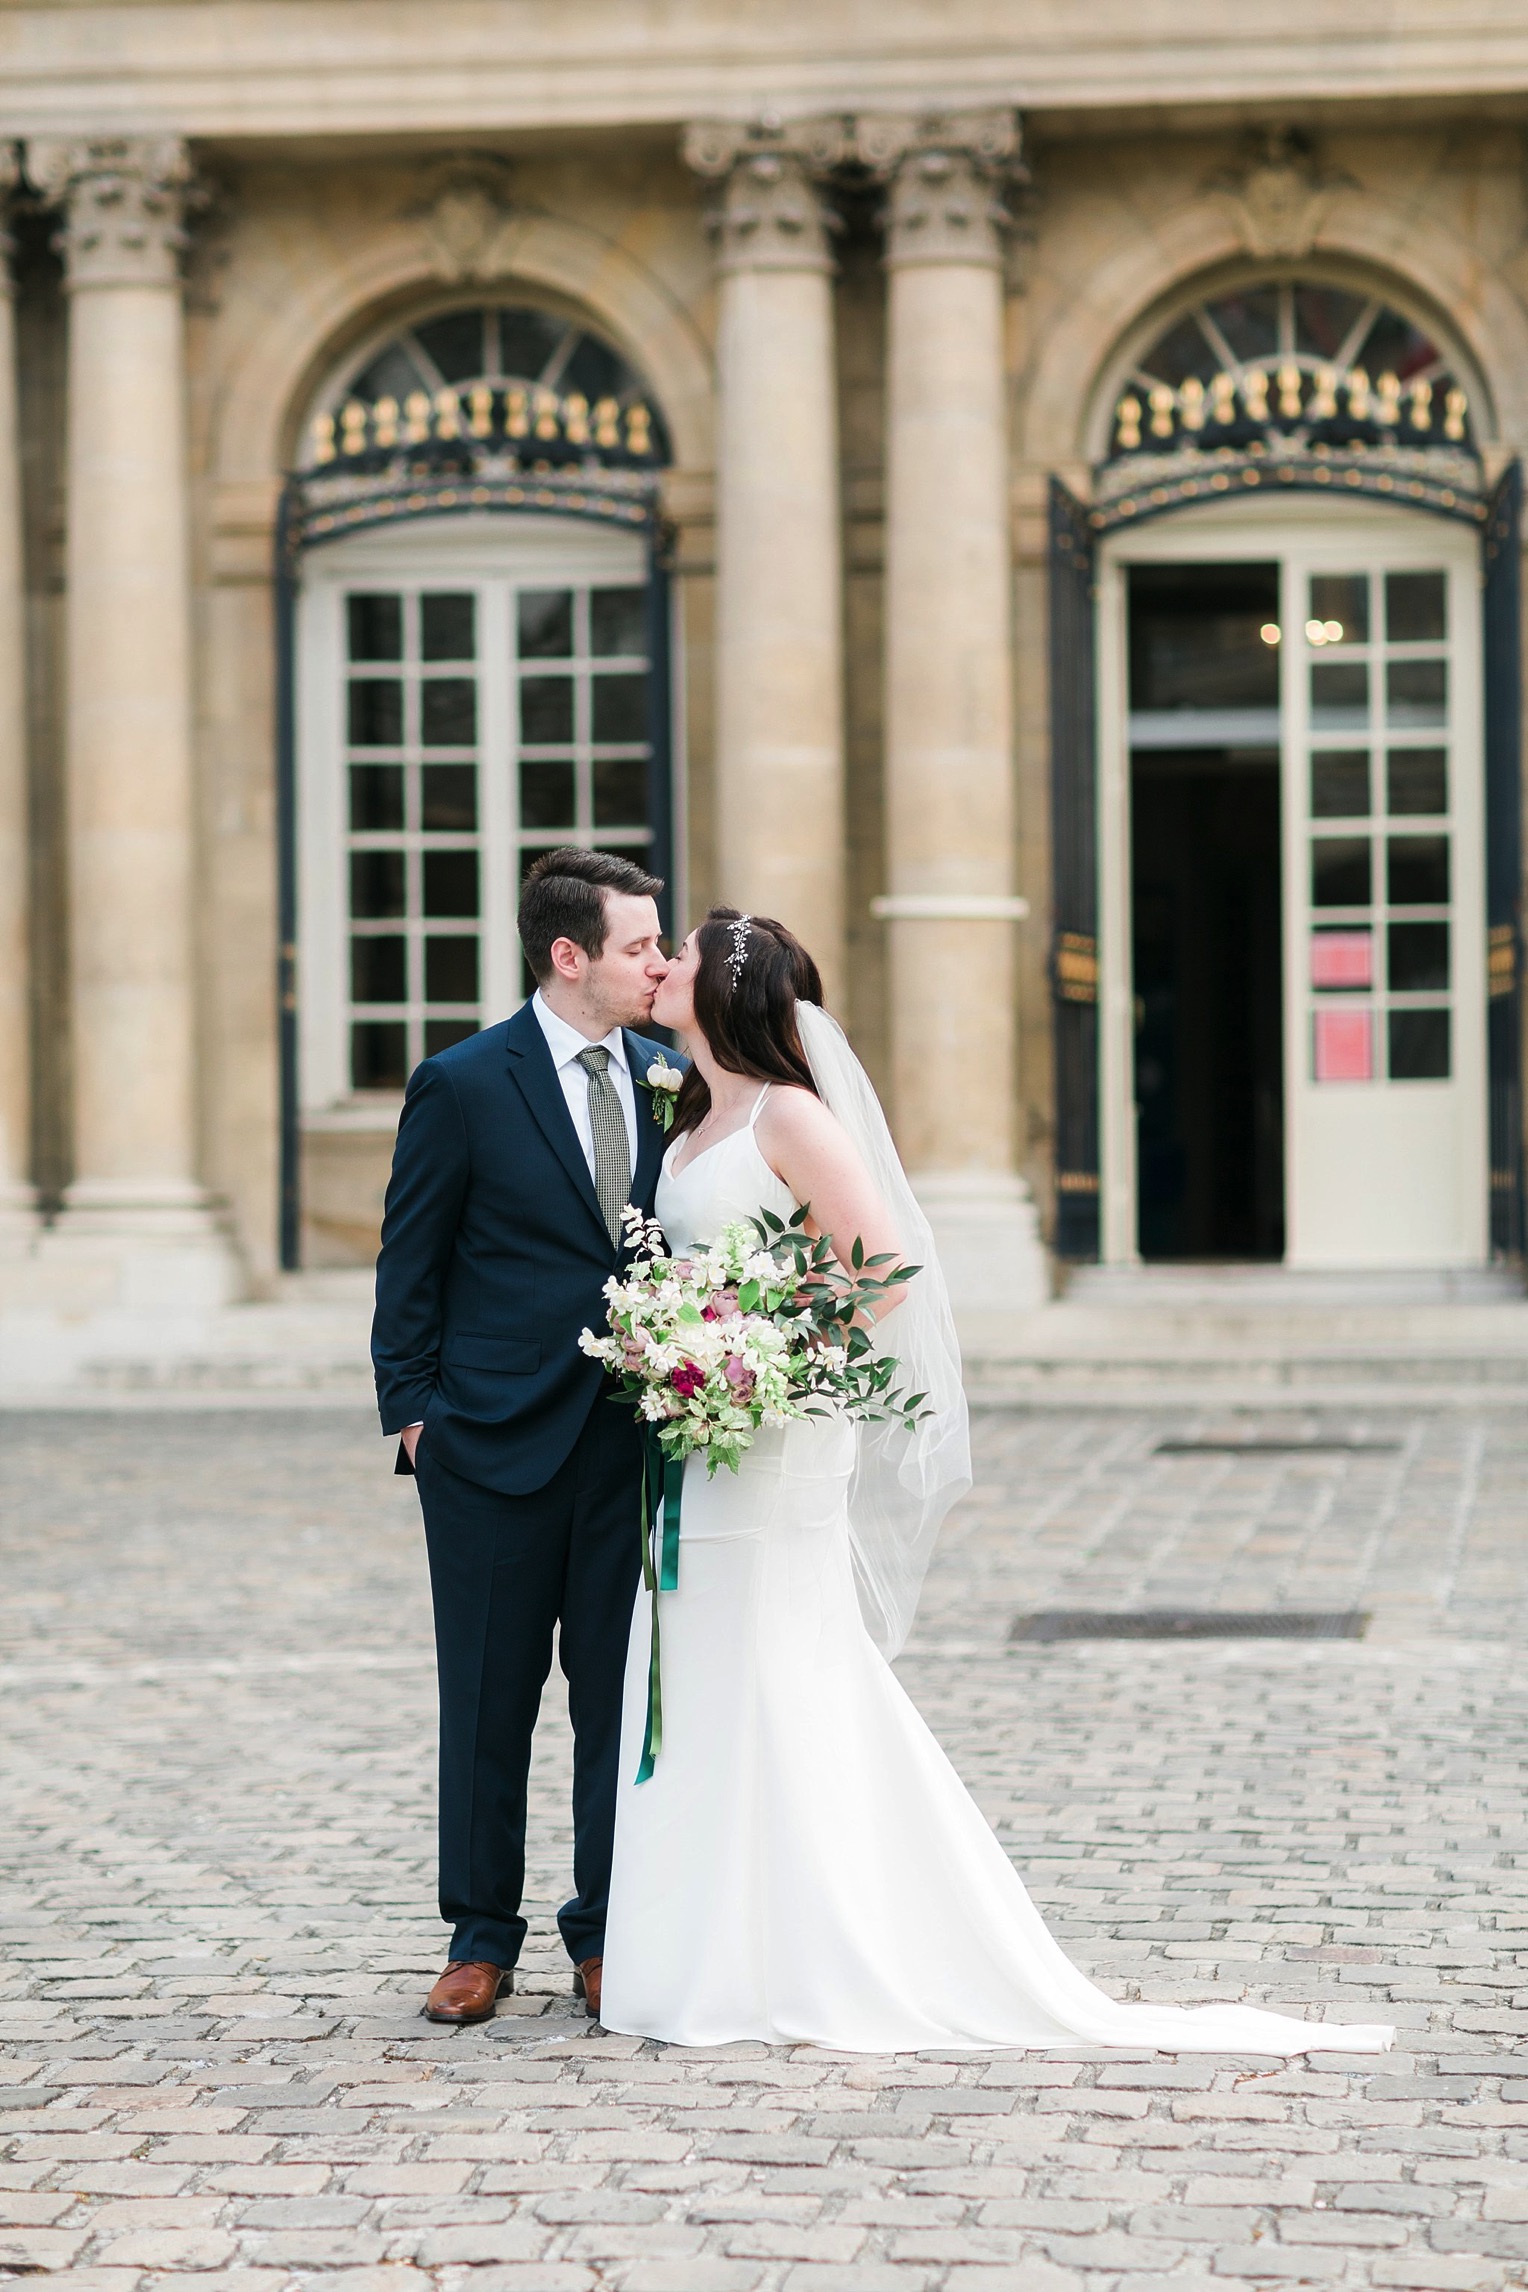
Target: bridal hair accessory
(739, 952)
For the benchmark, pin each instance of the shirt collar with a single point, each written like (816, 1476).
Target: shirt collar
(565, 1042)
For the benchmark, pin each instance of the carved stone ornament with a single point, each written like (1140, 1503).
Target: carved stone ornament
(124, 201)
(989, 138)
(468, 224)
(1279, 195)
(771, 216)
(947, 172)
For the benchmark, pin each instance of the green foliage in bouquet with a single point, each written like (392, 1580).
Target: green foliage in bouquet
(834, 1310)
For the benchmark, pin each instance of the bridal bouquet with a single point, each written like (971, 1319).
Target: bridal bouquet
(762, 1327)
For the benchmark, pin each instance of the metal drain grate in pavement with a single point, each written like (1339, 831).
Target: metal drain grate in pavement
(1277, 1448)
(1052, 1624)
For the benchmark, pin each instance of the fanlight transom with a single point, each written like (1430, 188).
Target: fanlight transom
(493, 379)
(1292, 359)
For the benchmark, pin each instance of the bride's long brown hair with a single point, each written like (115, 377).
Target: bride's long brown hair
(747, 1012)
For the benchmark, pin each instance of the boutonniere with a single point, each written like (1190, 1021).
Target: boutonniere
(661, 1082)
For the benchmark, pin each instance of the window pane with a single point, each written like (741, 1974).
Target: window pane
(447, 628)
(1249, 320)
(448, 796)
(450, 883)
(451, 969)
(1196, 636)
(448, 712)
(376, 712)
(376, 884)
(546, 624)
(376, 798)
(440, 1034)
(1340, 602)
(379, 1054)
(1416, 692)
(617, 621)
(620, 792)
(546, 795)
(1418, 779)
(375, 628)
(379, 970)
(1419, 1049)
(1342, 1046)
(1416, 607)
(529, 338)
(1339, 783)
(1340, 871)
(1341, 961)
(620, 708)
(1418, 871)
(1418, 958)
(455, 343)
(1339, 696)
(546, 710)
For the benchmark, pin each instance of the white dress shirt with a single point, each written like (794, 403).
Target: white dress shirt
(565, 1043)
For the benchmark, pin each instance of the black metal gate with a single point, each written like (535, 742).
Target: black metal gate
(1504, 873)
(1074, 899)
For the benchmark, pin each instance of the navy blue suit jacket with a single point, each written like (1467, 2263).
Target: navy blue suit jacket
(494, 1257)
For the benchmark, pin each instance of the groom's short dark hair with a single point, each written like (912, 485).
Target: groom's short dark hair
(563, 897)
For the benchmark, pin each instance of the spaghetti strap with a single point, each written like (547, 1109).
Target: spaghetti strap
(758, 1102)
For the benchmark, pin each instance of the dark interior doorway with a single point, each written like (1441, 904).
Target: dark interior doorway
(1206, 909)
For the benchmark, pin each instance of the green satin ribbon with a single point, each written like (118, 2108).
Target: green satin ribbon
(662, 1487)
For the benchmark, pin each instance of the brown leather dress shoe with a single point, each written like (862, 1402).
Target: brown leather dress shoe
(467, 1991)
(586, 1985)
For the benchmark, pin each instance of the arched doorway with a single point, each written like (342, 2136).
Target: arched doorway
(476, 666)
(1280, 1020)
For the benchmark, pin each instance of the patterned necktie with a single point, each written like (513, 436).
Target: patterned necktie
(612, 1142)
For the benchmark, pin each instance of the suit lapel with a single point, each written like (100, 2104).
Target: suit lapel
(650, 1135)
(530, 1065)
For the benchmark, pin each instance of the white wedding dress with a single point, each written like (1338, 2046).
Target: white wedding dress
(804, 1865)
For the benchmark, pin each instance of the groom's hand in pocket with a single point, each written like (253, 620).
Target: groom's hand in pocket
(408, 1444)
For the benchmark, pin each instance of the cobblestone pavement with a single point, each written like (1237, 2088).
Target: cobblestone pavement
(216, 1916)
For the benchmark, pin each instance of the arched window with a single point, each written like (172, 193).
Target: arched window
(467, 688)
(1292, 382)
(1288, 357)
(499, 378)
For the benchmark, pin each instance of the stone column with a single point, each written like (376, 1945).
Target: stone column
(134, 1213)
(950, 907)
(17, 1225)
(779, 604)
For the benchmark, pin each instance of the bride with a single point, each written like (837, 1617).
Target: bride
(804, 1864)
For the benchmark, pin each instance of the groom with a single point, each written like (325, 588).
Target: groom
(517, 1152)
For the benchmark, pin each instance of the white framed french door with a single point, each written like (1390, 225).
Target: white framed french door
(470, 691)
(1376, 714)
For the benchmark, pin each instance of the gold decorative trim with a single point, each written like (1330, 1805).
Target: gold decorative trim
(1501, 960)
(1074, 967)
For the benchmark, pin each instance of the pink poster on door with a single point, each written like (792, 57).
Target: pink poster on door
(1344, 1046)
(1342, 959)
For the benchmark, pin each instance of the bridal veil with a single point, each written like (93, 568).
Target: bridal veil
(905, 1478)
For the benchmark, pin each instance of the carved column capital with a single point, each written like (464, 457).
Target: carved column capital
(772, 215)
(124, 202)
(946, 173)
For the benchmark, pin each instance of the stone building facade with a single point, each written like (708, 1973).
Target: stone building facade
(1034, 507)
